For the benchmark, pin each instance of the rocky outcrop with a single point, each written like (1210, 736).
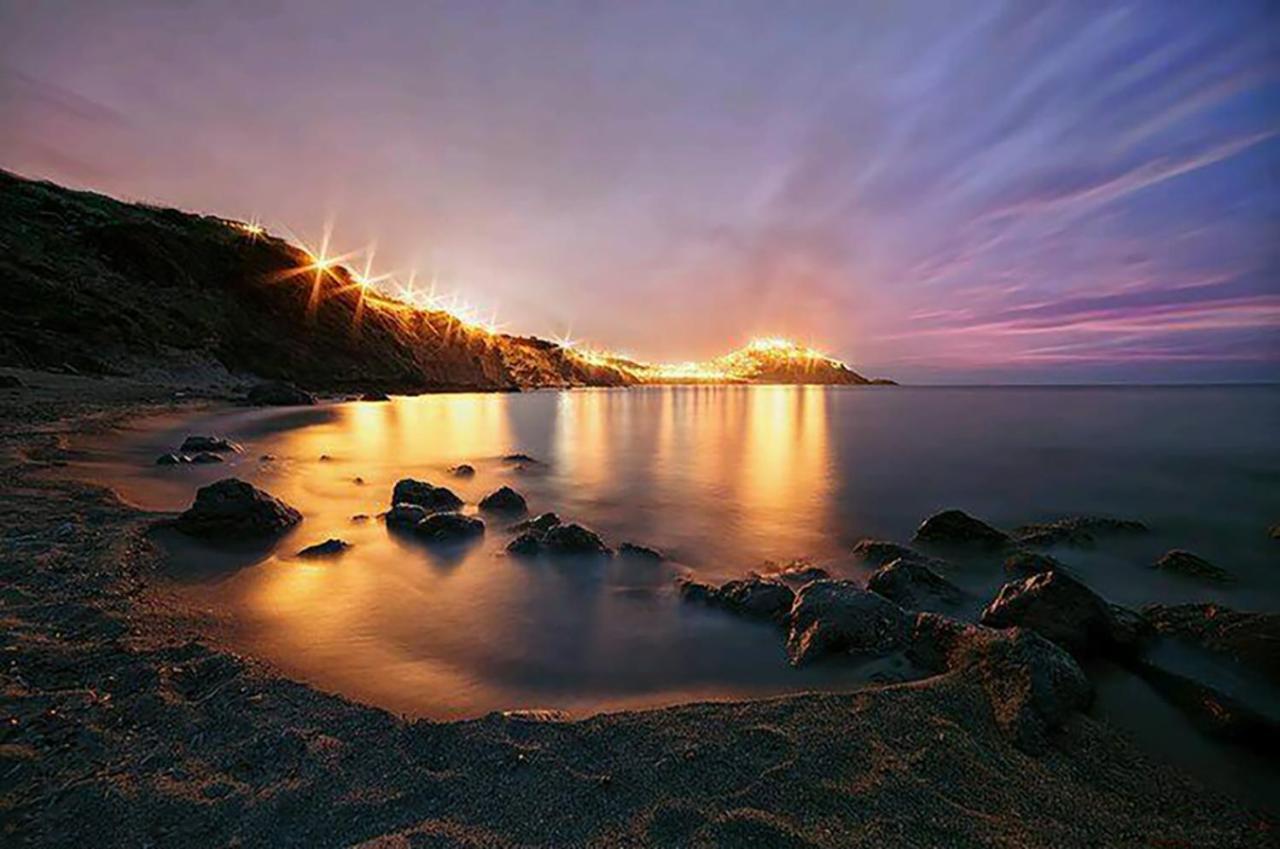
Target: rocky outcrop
(755, 598)
(574, 540)
(841, 617)
(428, 497)
(331, 547)
(539, 524)
(1059, 608)
(1248, 639)
(633, 551)
(232, 510)
(404, 516)
(448, 528)
(957, 529)
(1024, 564)
(913, 585)
(1185, 563)
(504, 500)
(1080, 531)
(879, 552)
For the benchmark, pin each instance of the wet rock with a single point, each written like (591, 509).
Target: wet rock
(914, 586)
(756, 598)
(527, 544)
(1193, 566)
(840, 616)
(206, 457)
(325, 458)
(1213, 708)
(1080, 531)
(232, 509)
(879, 552)
(375, 396)
(463, 470)
(574, 539)
(1033, 686)
(428, 497)
(959, 529)
(449, 527)
(632, 551)
(538, 525)
(1248, 639)
(1024, 564)
(172, 459)
(358, 481)
(267, 458)
(278, 393)
(214, 444)
(518, 458)
(1059, 608)
(404, 516)
(329, 548)
(504, 500)
(360, 517)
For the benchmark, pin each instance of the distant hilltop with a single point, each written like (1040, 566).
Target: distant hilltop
(94, 285)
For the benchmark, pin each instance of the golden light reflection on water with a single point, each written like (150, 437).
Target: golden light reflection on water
(720, 477)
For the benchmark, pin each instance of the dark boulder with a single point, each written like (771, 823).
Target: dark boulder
(527, 544)
(1080, 531)
(574, 539)
(277, 393)
(518, 458)
(172, 459)
(878, 552)
(757, 598)
(449, 527)
(215, 444)
(958, 529)
(206, 457)
(463, 470)
(1024, 564)
(839, 616)
(232, 509)
(375, 396)
(1248, 639)
(428, 497)
(631, 551)
(405, 516)
(538, 525)
(1192, 566)
(329, 548)
(504, 500)
(1059, 608)
(914, 586)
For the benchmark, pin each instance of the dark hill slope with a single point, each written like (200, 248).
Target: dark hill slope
(106, 287)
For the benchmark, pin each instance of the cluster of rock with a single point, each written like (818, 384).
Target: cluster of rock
(199, 449)
(1025, 643)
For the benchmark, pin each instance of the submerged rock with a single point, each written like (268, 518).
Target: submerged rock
(430, 498)
(504, 500)
(233, 509)
(538, 525)
(404, 516)
(1059, 608)
(518, 458)
(957, 528)
(574, 539)
(463, 470)
(449, 527)
(840, 616)
(172, 459)
(278, 393)
(1248, 639)
(1079, 531)
(329, 548)
(215, 444)
(1193, 566)
(632, 551)
(914, 586)
(879, 552)
(206, 457)
(1024, 564)
(375, 396)
(528, 544)
(754, 597)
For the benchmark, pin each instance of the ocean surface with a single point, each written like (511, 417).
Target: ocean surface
(723, 480)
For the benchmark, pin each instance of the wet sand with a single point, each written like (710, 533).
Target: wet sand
(126, 722)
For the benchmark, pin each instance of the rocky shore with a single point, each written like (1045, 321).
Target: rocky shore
(126, 722)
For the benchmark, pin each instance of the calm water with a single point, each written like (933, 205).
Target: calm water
(722, 479)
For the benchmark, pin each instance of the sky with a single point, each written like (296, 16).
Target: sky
(938, 192)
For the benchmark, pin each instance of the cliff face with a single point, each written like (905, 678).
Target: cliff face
(101, 286)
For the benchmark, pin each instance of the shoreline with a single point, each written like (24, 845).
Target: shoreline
(129, 725)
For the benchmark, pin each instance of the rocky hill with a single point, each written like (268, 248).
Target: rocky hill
(98, 286)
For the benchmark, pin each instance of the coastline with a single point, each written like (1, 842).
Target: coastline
(127, 724)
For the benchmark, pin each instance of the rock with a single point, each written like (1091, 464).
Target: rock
(405, 516)
(574, 540)
(504, 500)
(1193, 566)
(518, 458)
(232, 509)
(539, 525)
(1081, 531)
(528, 544)
(329, 548)
(631, 551)
(360, 517)
(215, 444)
(1059, 608)
(463, 470)
(325, 458)
(172, 459)
(878, 552)
(1274, 531)
(1214, 710)
(449, 527)
(375, 396)
(277, 393)
(1024, 564)
(1032, 685)
(795, 572)
(1247, 639)
(358, 481)
(957, 528)
(267, 458)
(756, 598)
(430, 498)
(914, 586)
(840, 616)
(206, 457)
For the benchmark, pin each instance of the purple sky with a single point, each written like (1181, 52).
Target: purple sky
(937, 192)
